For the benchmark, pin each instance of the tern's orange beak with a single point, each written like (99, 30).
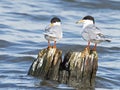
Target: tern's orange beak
(51, 24)
(80, 21)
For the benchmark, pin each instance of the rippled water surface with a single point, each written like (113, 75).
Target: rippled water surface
(22, 23)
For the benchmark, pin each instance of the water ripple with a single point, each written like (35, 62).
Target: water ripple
(22, 24)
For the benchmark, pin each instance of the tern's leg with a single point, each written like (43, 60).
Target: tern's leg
(54, 44)
(88, 46)
(49, 44)
(94, 48)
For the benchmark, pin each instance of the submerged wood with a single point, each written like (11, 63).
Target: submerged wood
(78, 69)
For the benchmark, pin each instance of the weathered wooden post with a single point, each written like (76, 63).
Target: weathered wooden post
(78, 69)
(46, 66)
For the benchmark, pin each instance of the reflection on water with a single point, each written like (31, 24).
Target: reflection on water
(22, 24)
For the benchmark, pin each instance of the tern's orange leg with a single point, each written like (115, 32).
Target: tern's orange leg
(49, 44)
(88, 46)
(54, 44)
(94, 48)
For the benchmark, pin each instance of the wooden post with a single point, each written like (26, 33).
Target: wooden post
(78, 69)
(46, 66)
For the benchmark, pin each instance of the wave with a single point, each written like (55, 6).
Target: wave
(4, 43)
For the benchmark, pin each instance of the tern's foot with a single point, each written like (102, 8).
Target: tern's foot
(54, 47)
(88, 48)
(49, 47)
(94, 49)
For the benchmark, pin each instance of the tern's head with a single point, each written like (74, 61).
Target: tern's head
(87, 20)
(55, 21)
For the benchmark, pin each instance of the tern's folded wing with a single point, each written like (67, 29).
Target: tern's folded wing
(54, 31)
(92, 33)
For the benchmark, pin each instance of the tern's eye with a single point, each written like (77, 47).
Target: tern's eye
(53, 21)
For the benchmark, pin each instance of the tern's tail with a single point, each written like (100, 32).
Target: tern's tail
(108, 40)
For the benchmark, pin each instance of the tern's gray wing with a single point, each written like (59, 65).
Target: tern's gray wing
(93, 34)
(54, 31)
(47, 29)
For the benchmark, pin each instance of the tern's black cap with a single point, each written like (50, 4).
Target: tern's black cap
(89, 18)
(55, 19)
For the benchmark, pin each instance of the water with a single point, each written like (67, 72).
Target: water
(22, 23)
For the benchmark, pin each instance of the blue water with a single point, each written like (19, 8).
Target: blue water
(22, 23)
